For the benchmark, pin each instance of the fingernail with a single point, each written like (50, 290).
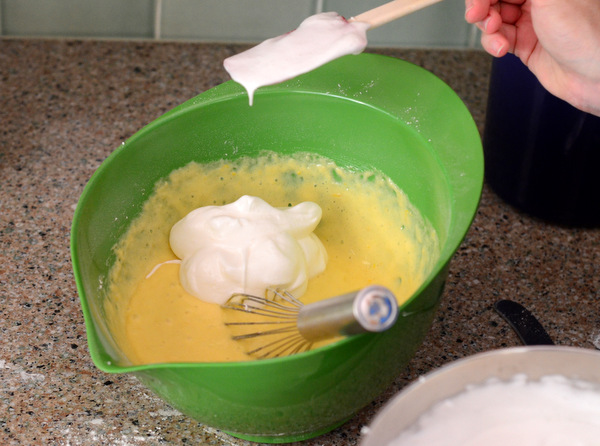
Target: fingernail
(485, 23)
(497, 47)
(469, 6)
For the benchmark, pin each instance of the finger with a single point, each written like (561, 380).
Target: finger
(510, 13)
(492, 23)
(477, 10)
(495, 44)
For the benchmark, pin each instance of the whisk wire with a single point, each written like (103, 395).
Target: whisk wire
(262, 311)
(285, 346)
(275, 331)
(281, 305)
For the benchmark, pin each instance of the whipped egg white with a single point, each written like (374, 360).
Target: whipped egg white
(552, 411)
(246, 247)
(319, 39)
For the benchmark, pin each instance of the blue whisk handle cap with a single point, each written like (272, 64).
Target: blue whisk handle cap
(375, 308)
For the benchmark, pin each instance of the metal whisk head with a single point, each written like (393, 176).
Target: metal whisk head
(274, 317)
(280, 325)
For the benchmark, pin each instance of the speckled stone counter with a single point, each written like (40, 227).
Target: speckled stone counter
(65, 105)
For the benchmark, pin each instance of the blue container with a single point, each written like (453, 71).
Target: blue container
(542, 155)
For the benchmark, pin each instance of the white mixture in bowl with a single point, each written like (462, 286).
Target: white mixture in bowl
(319, 39)
(553, 411)
(248, 246)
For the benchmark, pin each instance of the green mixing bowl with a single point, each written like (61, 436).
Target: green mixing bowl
(365, 111)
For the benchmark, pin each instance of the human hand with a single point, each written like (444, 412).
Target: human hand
(558, 40)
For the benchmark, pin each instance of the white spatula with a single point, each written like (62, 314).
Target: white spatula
(319, 39)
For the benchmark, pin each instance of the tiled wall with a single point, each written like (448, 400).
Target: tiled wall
(441, 25)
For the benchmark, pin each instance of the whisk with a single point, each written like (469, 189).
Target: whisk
(282, 325)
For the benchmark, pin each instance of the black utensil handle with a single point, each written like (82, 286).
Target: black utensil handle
(523, 322)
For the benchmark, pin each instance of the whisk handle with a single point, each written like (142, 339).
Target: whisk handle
(373, 308)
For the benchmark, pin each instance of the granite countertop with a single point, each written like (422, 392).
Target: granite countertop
(65, 105)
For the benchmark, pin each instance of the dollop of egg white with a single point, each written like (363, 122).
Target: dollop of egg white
(246, 247)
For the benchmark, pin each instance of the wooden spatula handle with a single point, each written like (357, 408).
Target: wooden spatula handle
(391, 11)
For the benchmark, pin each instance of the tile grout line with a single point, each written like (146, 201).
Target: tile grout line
(318, 6)
(473, 37)
(157, 19)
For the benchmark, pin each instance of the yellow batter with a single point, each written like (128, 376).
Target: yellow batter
(371, 232)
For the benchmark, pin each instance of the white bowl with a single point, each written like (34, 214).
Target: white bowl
(533, 361)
